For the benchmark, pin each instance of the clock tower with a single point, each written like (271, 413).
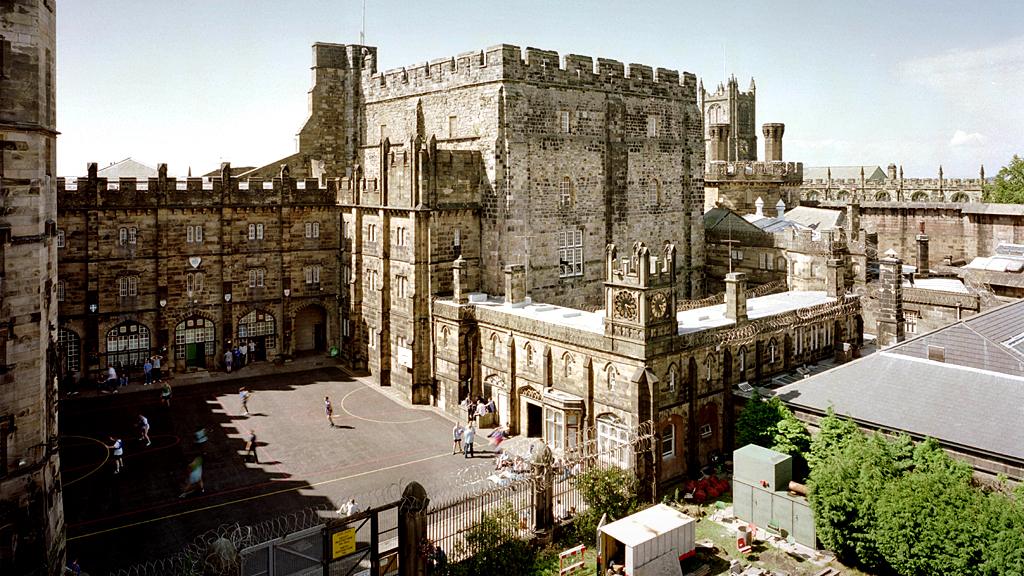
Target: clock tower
(640, 303)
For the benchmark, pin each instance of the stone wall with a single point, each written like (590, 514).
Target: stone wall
(31, 510)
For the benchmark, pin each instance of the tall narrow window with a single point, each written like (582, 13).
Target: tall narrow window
(61, 238)
(401, 286)
(194, 234)
(133, 235)
(773, 351)
(312, 274)
(652, 126)
(563, 118)
(61, 290)
(128, 286)
(122, 236)
(570, 253)
(400, 236)
(655, 191)
(312, 229)
(257, 278)
(453, 126)
(565, 191)
(194, 282)
(668, 441)
(371, 232)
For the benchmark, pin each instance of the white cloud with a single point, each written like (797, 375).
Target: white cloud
(961, 138)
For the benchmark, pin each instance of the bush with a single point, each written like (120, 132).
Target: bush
(612, 491)
(493, 546)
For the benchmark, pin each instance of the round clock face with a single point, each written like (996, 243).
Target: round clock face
(625, 305)
(659, 305)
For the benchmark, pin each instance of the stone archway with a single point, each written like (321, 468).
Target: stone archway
(195, 342)
(531, 413)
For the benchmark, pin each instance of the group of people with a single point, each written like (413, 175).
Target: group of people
(116, 445)
(474, 410)
(237, 356)
(462, 437)
(117, 374)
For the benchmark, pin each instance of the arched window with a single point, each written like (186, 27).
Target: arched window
(568, 363)
(445, 332)
(528, 353)
(565, 194)
(613, 445)
(709, 367)
(960, 197)
(882, 197)
(671, 379)
(194, 283)
(128, 286)
(691, 380)
(919, 197)
(773, 351)
(668, 441)
(610, 375)
(495, 341)
(742, 356)
(128, 343)
(69, 346)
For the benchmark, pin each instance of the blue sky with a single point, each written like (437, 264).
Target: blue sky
(196, 82)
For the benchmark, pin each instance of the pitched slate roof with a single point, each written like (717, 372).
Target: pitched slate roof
(817, 218)
(127, 168)
(723, 218)
(970, 395)
(871, 173)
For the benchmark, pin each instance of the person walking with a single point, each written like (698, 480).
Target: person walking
(228, 361)
(147, 371)
(467, 441)
(112, 380)
(117, 446)
(244, 350)
(244, 395)
(195, 477)
(123, 381)
(165, 394)
(348, 508)
(329, 409)
(457, 438)
(144, 429)
(250, 447)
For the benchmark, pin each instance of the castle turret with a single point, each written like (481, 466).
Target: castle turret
(773, 141)
(719, 149)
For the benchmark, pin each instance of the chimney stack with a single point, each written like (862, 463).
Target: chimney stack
(780, 208)
(922, 253)
(736, 296)
(773, 141)
(835, 281)
(891, 327)
(854, 221)
(515, 283)
(460, 281)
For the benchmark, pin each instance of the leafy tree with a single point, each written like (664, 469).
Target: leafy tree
(1008, 187)
(927, 521)
(612, 491)
(756, 424)
(1003, 519)
(843, 491)
(791, 437)
(834, 433)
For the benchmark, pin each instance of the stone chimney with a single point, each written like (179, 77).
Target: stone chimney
(854, 221)
(780, 208)
(835, 280)
(736, 296)
(773, 141)
(922, 254)
(719, 150)
(460, 281)
(891, 327)
(515, 283)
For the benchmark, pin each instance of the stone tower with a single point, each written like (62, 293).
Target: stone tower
(640, 299)
(31, 508)
(773, 141)
(730, 106)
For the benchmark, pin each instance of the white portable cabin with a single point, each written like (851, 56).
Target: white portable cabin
(649, 541)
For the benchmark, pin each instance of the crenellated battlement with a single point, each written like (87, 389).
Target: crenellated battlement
(641, 269)
(786, 172)
(506, 62)
(946, 183)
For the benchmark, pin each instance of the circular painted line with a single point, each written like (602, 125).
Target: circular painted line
(106, 457)
(346, 411)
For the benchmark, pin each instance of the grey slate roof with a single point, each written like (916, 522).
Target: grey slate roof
(817, 218)
(974, 398)
(127, 168)
(724, 218)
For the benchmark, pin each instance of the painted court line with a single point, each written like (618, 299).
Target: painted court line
(256, 497)
(345, 410)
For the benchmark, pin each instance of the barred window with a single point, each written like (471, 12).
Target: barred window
(402, 286)
(70, 347)
(257, 277)
(61, 238)
(563, 117)
(61, 290)
(565, 192)
(312, 229)
(128, 343)
(194, 282)
(570, 253)
(312, 274)
(652, 126)
(122, 236)
(128, 286)
(255, 231)
(194, 234)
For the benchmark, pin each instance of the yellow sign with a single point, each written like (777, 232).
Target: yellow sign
(343, 543)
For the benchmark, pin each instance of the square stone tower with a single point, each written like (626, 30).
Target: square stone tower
(31, 509)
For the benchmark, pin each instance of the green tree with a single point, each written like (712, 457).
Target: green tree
(1008, 187)
(756, 424)
(493, 546)
(834, 433)
(612, 491)
(1003, 519)
(927, 522)
(791, 437)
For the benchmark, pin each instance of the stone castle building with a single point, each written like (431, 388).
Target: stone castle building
(31, 510)
(555, 371)
(501, 157)
(846, 184)
(189, 267)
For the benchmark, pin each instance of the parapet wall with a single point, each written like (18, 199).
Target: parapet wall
(130, 193)
(786, 172)
(506, 62)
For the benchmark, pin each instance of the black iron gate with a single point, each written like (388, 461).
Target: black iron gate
(363, 544)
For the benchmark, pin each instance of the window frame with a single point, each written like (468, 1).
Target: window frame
(61, 290)
(570, 253)
(564, 122)
(128, 286)
(62, 239)
(670, 439)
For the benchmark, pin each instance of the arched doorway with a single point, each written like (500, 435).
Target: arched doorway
(310, 328)
(259, 330)
(128, 344)
(194, 342)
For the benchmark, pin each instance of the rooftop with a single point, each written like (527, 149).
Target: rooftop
(646, 525)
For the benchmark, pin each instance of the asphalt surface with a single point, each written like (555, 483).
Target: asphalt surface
(377, 446)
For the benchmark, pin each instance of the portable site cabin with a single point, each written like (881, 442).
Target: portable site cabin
(647, 542)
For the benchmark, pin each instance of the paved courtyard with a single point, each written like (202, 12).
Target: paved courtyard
(115, 520)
